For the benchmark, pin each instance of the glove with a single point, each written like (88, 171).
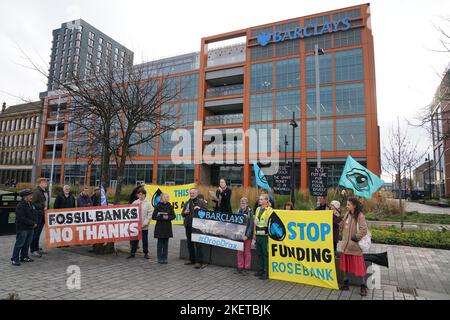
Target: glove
(354, 239)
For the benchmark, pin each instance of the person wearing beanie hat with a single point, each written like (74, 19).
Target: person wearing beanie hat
(335, 206)
(26, 222)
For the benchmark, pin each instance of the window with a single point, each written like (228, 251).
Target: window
(351, 14)
(288, 73)
(287, 102)
(325, 69)
(91, 35)
(78, 36)
(348, 65)
(287, 48)
(189, 87)
(264, 138)
(285, 130)
(165, 143)
(350, 99)
(188, 114)
(326, 135)
(90, 42)
(326, 102)
(347, 38)
(261, 76)
(259, 52)
(351, 134)
(261, 107)
(100, 40)
(324, 42)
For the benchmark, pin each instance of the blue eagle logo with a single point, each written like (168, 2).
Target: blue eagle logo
(263, 38)
(201, 214)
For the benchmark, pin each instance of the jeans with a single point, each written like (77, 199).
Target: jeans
(22, 245)
(162, 249)
(37, 233)
(244, 258)
(262, 251)
(195, 251)
(134, 243)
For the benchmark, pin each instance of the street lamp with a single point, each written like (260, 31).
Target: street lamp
(318, 52)
(294, 125)
(428, 159)
(54, 149)
(286, 143)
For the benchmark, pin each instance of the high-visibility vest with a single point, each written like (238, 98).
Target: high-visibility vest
(262, 220)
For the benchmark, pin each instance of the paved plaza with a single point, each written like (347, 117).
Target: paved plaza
(414, 273)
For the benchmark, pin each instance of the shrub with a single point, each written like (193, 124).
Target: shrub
(413, 238)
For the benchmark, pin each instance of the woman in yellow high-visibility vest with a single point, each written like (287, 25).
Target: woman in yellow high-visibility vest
(262, 216)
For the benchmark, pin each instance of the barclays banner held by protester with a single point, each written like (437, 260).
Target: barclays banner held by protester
(301, 248)
(219, 229)
(178, 196)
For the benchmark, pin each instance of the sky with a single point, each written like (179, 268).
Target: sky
(408, 66)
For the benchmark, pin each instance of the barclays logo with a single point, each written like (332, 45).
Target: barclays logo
(201, 214)
(264, 38)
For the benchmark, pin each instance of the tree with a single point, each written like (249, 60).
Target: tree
(400, 155)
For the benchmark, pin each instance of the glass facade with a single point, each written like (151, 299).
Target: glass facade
(325, 69)
(326, 135)
(351, 133)
(350, 99)
(285, 130)
(172, 174)
(348, 65)
(261, 107)
(287, 102)
(287, 73)
(326, 102)
(261, 76)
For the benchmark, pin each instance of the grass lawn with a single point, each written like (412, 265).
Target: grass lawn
(415, 217)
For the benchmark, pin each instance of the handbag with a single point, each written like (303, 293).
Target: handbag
(366, 241)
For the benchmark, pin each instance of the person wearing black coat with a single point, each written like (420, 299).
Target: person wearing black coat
(64, 199)
(223, 193)
(26, 222)
(163, 214)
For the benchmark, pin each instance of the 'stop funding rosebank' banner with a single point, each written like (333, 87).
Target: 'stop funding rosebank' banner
(89, 225)
(301, 248)
(178, 196)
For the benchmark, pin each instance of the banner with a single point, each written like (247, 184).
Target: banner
(219, 229)
(89, 225)
(318, 182)
(178, 196)
(301, 248)
(282, 180)
(360, 179)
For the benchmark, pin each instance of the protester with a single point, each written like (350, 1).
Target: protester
(244, 258)
(335, 206)
(322, 204)
(288, 206)
(133, 196)
(163, 214)
(96, 198)
(41, 202)
(271, 200)
(26, 222)
(84, 199)
(351, 258)
(65, 199)
(146, 212)
(223, 194)
(195, 250)
(262, 215)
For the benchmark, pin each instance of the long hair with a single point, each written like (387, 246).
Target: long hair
(358, 207)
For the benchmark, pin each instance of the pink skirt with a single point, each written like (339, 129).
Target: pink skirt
(353, 264)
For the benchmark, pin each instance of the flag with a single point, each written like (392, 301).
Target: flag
(103, 197)
(359, 179)
(260, 177)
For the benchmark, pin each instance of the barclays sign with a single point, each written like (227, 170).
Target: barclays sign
(303, 32)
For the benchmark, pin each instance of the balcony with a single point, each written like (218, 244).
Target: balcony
(225, 90)
(49, 154)
(226, 55)
(224, 119)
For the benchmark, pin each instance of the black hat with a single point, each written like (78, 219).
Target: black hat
(25, 192)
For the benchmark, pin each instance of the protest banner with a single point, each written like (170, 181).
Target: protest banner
(89, 225)
(301, 248)
(318, 182)
(178, 196)
(219, 229)
(282, 180)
